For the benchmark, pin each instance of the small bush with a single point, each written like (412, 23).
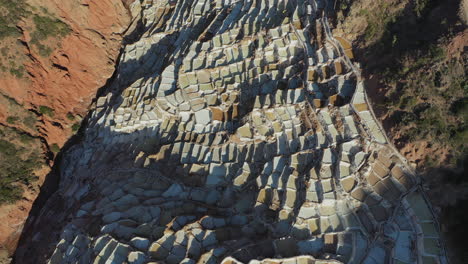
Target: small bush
(75, 127)
(26, 139)
(420, 6)
(70, 117)
(44, 51)
(12, 119)
(18, 72)
(55, 148)
(45, 110)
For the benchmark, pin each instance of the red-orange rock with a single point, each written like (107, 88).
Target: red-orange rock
(66, 81)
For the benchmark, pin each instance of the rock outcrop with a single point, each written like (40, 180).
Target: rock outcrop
(67, 80)
(234, 131)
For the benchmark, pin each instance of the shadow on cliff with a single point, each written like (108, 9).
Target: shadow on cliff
(49, 221)
(447, 189)
(53, 210)
(410, 35)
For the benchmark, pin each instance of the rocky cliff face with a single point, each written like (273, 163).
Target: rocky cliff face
(67, 80)
(55, 57)
(234, 132)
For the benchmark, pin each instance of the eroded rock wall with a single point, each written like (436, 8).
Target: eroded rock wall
(234, 132)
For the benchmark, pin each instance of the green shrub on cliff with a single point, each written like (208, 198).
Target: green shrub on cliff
(10, 13)
(16, 170)
(48, 27)
(45, 110)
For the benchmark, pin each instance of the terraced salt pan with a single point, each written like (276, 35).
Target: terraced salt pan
(232, 134)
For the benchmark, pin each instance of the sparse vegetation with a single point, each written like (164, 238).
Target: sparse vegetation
(411, 51)
(45, 110)
(44, 27)
(47, 27)
(55, 148)
(377, 20)
(377, 16)
(20, 150)
(420, 6)
(17, 164)
(44, 51)
(30, 121)
(11, 12)
(403, 45)
(70, 117)
(429, 104)
(18, 72)
(26, 139)
(12, 119)
(75, 127)
(18, 115)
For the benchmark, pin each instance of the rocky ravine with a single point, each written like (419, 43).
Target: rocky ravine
(232, 132)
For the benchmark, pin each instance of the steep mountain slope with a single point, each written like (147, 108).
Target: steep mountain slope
(231, 132)
(414, 59)
(54, 56)
(413, 54)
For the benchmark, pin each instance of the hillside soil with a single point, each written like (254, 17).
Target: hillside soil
(413, 55)
(54, 56)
